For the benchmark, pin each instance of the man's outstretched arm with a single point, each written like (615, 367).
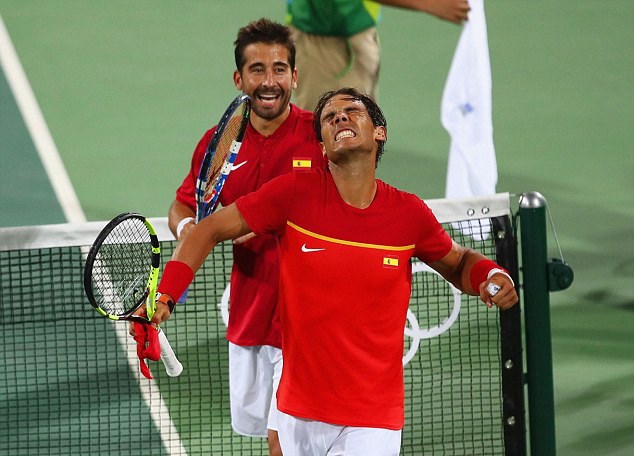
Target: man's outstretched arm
(455, 11)
(191, 252)
(471, 272)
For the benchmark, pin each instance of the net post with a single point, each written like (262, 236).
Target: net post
(514, 419)
(539, 365)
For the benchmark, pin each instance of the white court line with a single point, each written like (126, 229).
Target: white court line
(43, 140)
(35, 123)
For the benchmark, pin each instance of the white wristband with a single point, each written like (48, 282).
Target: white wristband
(499, 271)
(181, 225)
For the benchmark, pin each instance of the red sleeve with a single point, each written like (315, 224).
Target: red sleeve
(433, 241)
(185, 194)
(266, 209)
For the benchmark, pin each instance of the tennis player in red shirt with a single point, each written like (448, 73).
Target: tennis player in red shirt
(279, 139)
(346, 239)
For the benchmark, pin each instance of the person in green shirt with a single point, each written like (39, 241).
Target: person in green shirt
(338, 44)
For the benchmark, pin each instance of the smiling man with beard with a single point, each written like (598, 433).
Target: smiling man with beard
(279, 140)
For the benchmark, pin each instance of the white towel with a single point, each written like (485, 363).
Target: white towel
(466, 112)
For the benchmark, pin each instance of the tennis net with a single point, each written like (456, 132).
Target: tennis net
(70, 384)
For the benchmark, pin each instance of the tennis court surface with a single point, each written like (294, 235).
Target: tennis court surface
(141, 82)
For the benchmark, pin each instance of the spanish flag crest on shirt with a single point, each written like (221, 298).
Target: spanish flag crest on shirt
(390, 262)
(301, 163)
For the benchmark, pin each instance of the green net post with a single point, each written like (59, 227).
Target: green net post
(541, 405)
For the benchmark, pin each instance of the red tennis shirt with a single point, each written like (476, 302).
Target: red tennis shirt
(254, 318)
(344, 291)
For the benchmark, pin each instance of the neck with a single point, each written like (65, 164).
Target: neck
(267, 127)
(356, 184)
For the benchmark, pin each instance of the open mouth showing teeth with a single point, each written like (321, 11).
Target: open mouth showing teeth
(344, 134)
(267, 97)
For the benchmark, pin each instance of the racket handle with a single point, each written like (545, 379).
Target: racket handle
(493, 289)
(173, 366)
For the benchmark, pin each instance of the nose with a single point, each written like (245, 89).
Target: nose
(268, 79)
(340, 116)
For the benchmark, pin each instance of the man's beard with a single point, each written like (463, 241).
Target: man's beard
(270, 113)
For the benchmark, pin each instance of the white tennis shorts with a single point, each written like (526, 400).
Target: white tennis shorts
(254, 375)
(300, 437)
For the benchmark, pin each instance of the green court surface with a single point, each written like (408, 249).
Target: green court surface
(128, 88)
(24, 181)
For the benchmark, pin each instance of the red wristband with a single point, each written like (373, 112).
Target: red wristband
(176, 278)
(480, 271)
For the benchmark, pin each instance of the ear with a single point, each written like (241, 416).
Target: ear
(323, 148)
(294, 79)
(380, 133)
(237, 79)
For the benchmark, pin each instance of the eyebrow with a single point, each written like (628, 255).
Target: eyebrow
(276, 64)
(327, 114)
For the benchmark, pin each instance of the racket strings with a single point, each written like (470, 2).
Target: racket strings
(229, 135)
(121, 268)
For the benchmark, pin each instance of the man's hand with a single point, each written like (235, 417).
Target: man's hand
(184, 227)
(498, 291)
(455, 11)
(161, 314)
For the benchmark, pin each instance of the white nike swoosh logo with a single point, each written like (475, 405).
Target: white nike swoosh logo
(234, 167)
(306, 249)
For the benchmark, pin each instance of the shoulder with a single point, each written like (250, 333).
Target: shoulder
(304, 118)
(396, 194)
(207, 135)
(309, 179)
(201, 147)
(302, 128)
(302, 113)
(311, 175)
(408, 203)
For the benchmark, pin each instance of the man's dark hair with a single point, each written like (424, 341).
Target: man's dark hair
(263, 31)
(378, 119)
